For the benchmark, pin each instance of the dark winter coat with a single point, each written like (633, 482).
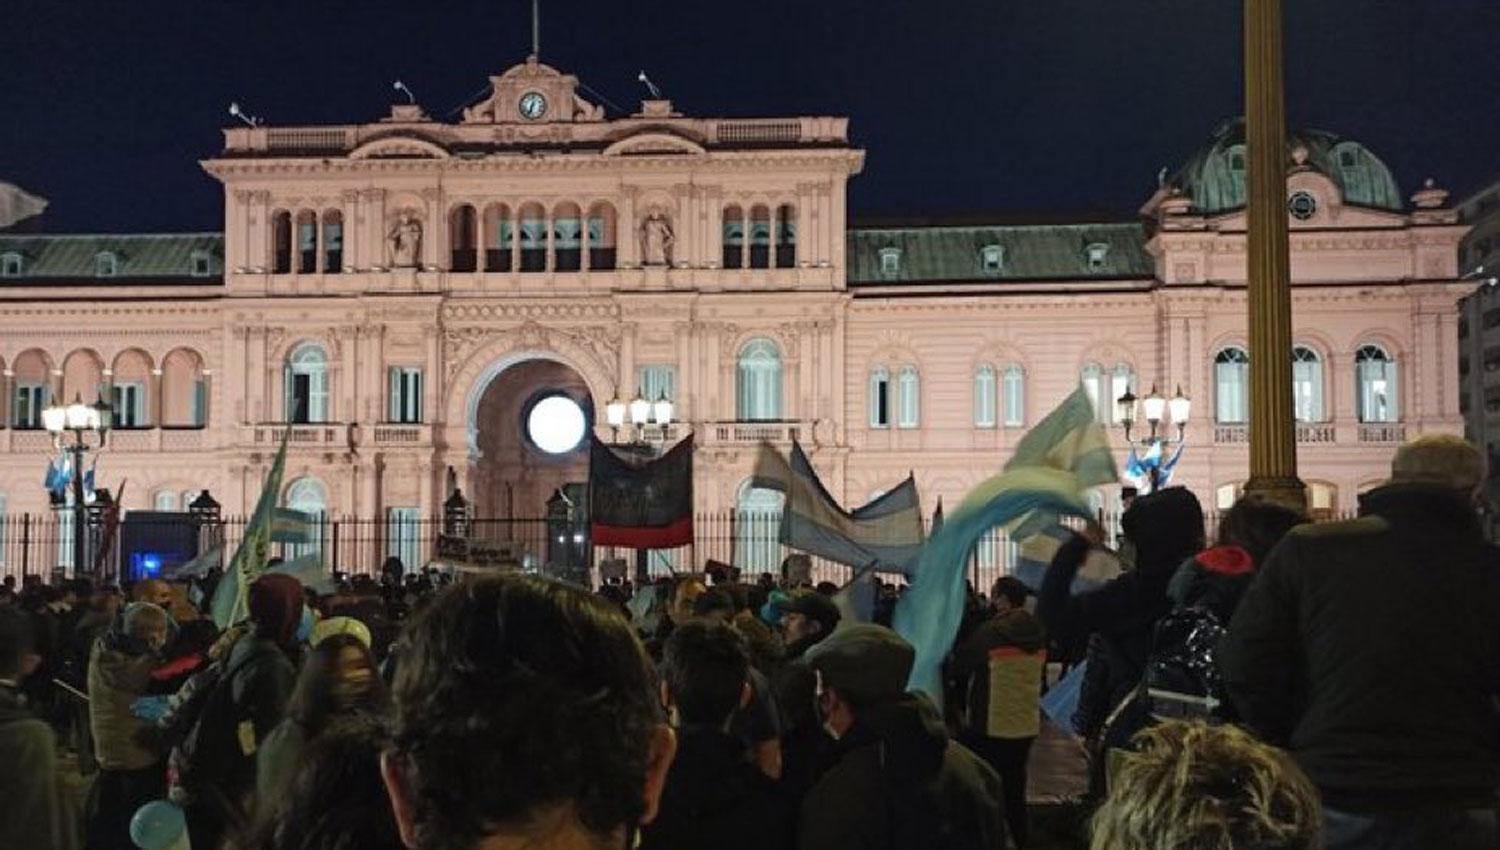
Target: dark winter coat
(805, 747)
(1371, 649)
(900, 782)
(1214, 579)
(1002, 661)
(715, 799)
(28, 781)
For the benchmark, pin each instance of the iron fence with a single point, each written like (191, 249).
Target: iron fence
(41, 544)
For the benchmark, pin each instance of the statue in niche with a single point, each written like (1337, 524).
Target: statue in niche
(656, 239)
(405, 241)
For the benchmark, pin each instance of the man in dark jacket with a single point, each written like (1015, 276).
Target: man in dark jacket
(1002, 664)
(807, 617)
(714, 798)
(900, 781)
(28, 747)
(1370, 649)
(1163, 529)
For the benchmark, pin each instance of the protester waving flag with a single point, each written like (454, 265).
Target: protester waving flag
(250, 558)
(1064, 455)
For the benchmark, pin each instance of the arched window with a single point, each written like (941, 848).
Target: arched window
(129, 385)
(307, 242)
(1307, 384)
(759, 382)
(1015, 396)
(106, 264)
(165, 500)
(1124, 381)
(567, 237)
(1095, 387)
(910, 397)
(308, 496)
(1375, 378)
(1231, 379)
(333, 241)
(281, 242)
(184, 390)
(984, 397)
(499, 238)
(601, 237)
(786, 236)
(11, 264)
(33, 393)
(463, 239)
(307, 384)
(880, 397)
(533, 238)
(734, 237)
(757, 526)
(992, 259)
(760, 237)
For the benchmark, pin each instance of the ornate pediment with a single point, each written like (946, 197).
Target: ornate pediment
(399, 147)
(654, 144)
(532, 93)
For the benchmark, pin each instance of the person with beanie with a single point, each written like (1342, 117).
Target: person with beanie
(247, 703)
(1162, 529)
(899, 781)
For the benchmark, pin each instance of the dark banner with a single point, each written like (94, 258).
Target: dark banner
(641, 504)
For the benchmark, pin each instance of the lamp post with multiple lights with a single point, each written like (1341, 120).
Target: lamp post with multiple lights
(644, 417)
(1157, 410)
(79, 419)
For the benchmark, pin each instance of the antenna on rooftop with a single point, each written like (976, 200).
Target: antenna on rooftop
(650, 86)
(250, 120)
(402, 87)
(536, 28)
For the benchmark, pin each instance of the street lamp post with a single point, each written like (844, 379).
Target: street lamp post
(79, 419)
(1157, 410)
(643, 415)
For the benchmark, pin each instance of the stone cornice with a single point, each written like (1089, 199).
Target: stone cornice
(569, 310)
(551, 164)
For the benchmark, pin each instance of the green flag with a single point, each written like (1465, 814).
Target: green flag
(250, 558)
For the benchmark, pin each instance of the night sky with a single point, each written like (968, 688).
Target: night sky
(1019, 109)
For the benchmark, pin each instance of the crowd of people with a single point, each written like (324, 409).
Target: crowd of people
(1288, 685)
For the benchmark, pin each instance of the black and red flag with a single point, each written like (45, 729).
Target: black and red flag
(641, 504)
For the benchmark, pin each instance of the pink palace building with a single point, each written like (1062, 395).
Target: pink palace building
(416, 295)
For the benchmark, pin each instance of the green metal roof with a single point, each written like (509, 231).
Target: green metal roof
(1214, 176)
(1027, 252)
(74, 258)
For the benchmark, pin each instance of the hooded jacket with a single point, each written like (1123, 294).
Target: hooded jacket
(899, 783)
(1165, 528)
(119, 673)
(1369, 648)
(715, 799)
(1214, 579)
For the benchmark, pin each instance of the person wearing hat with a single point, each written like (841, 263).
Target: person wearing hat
(1369, 648)
(899, 780)
(807, 617)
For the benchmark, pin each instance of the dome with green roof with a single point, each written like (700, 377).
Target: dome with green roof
(1215, 176)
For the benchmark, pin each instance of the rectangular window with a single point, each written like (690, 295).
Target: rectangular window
(202, 267)
(984, 398)
(405, 394)
(910, 399)
(198, 416)
(30, 400)
(654, 381)
(880, 400)
(333, 246)
(403, 536)
(129, 400)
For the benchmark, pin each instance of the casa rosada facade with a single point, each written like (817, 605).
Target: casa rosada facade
(408, 291)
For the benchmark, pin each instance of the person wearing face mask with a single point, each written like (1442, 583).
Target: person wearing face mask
(132, 768)
(900, 780)
(337, 680)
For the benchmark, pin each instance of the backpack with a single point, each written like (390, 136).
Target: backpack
(1182, 680)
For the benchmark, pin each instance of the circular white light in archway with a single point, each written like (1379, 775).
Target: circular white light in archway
(556, 424)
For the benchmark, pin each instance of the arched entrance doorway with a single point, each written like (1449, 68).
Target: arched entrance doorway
(530, 425)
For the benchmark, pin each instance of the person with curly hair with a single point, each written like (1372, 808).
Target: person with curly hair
(527, 715)
(1195, 786)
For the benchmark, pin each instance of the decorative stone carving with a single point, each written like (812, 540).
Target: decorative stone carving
(405, 241)
(657, 239)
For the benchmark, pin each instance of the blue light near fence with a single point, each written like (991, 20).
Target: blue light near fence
(145, 565)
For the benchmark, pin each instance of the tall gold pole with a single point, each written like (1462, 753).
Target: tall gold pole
(1273, 439)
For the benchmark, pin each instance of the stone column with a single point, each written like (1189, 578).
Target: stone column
(1273, 445)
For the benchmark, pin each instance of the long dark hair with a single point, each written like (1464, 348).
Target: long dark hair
(313, 705)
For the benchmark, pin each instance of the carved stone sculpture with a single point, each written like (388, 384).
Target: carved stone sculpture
(405, 242)
(656, 239)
